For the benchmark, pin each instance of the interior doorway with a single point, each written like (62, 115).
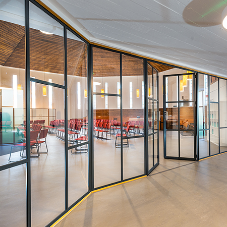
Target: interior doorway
(179, 116)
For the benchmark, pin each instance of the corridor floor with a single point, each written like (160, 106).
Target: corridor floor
(190, 194)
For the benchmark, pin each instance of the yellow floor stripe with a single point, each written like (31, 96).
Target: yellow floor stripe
(212, 156)
(93, 192)
(69, 211)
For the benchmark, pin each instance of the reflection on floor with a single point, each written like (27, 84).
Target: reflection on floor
(48, 187)
(190, 195)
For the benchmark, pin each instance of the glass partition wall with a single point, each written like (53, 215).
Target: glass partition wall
(212, 98)
(74, 117)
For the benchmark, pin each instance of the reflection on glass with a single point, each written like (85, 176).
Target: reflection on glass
(203, 143)
(13, 196)
(172, 117)
(133, 116)
(106, 70)
(223, 140)
(213, 89)
(12, 81)
(155, 147)
(171, 88)
(150, 151)
(186, 88)
(214, 134)
(223, 102)
(46, 47)
(172, 143)
(107, 142)
(150, 116)
(187, 144)
(77, 117)
(48, 168)
(186, 117)
(203, 101)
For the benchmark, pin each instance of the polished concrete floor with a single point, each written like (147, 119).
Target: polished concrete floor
(192, 194)
(48, 180)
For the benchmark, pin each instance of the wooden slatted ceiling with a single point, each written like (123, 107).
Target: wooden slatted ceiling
(160, 67)
(47, 54)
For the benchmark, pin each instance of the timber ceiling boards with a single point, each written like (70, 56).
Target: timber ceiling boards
(183, 32)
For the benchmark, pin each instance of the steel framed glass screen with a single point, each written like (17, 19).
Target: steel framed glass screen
(52, 93)
(212, 116)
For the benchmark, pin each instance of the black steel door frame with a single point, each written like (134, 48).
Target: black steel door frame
(178, 106)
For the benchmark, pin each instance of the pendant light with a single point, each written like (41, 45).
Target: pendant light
(19, 85)
(102, 90)
(181, 85)
(85, 93)
(190, 76)
(137, 90)
(44, 88)
(185, 78)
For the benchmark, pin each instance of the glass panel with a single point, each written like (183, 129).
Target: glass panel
(133, 115)
(223, 102)
(107, 141)
(155, 81)
(150, 151)
(171, 88)
(187, 144)
(172, 118)
(12, 80)
(213, 89)
(223, 140)
(186, 117)
(203, 143)
(106, 71)
(149, 78)
(214, 137)
(156, 115)
(150, 116)
(48, 168)
(13, 196)
(46, 47)
(77, 116)
(155, 147)
(203, 101)
(172, 143)
(186, 88)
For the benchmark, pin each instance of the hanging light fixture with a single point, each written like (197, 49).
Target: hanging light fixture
(181, 85)
(149, 91)
(185, 78)
(119, 91)
(137, 90)
(44, 91)
(137, 93)
(19, 87)
(85, 93)
(102, 91)
(190, 76)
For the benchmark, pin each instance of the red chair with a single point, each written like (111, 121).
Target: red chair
(79, 141)
(22, 146)
(42, 139)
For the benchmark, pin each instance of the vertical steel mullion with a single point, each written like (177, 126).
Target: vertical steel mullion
(121, 113)
(157, 116)
(196, 106)
(145, 72)
(219, 148)
(66, 120)
(27, 93)
(197, 116)
(178, 90)
(153, 109)
(164, 115)
(90, 119)
(209, 108)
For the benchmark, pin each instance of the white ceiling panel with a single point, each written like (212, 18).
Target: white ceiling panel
(184, 32)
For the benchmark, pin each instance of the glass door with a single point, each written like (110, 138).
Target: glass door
(179, 116)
